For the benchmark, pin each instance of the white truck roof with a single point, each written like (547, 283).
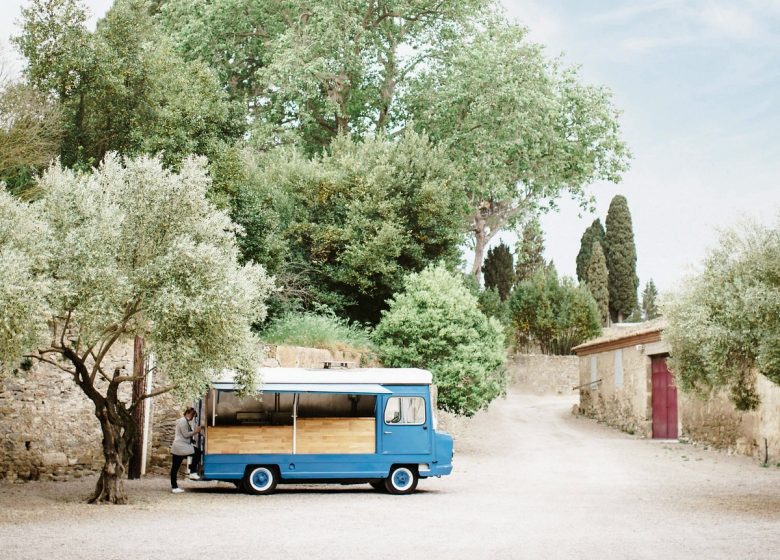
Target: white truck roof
(324, 377)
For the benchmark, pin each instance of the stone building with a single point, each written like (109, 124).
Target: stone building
(625, 382)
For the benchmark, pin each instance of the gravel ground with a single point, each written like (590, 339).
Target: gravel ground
(530, 481)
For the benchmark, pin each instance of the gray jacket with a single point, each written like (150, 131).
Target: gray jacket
(181, 439)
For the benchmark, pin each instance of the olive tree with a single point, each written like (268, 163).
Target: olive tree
(130, 249)
(725, 322)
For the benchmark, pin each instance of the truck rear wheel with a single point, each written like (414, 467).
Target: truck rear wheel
(402, 480)
(260, 480)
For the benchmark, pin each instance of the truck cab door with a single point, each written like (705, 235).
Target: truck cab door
(405, 425)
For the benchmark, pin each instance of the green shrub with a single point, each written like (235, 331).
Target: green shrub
(318, 330)
(553, 312)
(491, 304)
(436, 324)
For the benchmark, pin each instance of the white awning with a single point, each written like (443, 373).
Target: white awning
(343, 388)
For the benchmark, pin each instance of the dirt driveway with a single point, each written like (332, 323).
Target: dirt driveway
(530, 481)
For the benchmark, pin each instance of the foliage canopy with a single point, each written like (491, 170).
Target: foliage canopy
(356, 220)
(523, 129)
(123, 88)
(598, 281)
(552, 312)
(499, 270)
(435, 323)
(30, 132)
(725, 324)
(594, 232)
(530, 250)
(620, 251)
(649, 301)
(310, 71)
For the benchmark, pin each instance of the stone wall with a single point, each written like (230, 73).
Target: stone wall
(48, 430)
(540, 374)
(48, 427)
(715, 422)
(622, 401)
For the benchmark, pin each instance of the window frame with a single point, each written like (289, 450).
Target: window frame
(400, 408)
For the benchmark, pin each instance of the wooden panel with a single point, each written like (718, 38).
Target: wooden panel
(249, 439)
(336, 435)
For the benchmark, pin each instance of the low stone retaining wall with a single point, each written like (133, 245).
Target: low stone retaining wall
(540, 374)
(715, 422)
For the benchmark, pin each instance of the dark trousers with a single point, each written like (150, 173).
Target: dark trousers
(178, 460)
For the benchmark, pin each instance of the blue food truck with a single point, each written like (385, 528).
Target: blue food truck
(371, 425)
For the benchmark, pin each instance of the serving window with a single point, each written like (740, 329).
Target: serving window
(303, 423)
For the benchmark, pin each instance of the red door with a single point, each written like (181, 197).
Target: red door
(664, 401)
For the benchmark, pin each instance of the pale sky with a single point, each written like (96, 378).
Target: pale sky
(698, 82)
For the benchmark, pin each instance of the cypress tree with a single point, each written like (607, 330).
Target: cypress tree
(530, 250)
(594, 232)
(649, 306)
(498, 269)
(598, 281)
(621, 259)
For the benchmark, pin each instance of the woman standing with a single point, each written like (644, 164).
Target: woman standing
(183, 448)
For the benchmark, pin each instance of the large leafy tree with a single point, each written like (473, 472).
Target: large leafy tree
(594, 232)
(523, 128)
(30, 132)
(553, 313)
(499, 270)
(530, 250)
(598, 281)
(124, 88)
(725, 323)
(354, 222)
(127, 250)
(315, 69)
(435, 323)
(620, 251)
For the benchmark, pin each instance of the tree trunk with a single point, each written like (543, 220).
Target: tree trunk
(137, 459)
(481, 240)
(118, 437)
(110, 487)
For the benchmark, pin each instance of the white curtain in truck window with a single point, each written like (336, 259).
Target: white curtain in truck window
(405, 410)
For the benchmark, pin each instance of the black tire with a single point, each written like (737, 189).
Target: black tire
(260, 480)
(402, 480)
(378, 485)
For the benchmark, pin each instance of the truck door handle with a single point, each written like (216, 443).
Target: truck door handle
(386, 433)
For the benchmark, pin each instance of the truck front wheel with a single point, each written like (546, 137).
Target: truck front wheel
(402, 480)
